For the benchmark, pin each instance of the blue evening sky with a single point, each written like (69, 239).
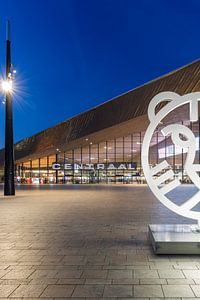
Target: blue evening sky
(71, 55)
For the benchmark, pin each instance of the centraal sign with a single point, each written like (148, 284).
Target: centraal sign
(106, 166)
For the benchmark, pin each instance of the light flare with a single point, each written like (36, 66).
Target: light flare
(7, 86)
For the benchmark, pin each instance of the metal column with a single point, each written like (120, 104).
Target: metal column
(9, 184)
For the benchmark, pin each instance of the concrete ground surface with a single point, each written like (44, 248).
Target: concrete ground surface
(89, 242)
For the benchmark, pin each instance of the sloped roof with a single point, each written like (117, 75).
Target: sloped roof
(118, 110)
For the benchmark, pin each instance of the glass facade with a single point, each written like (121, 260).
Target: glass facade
(112, 161)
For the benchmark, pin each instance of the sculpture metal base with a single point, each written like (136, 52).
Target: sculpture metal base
(175, 239)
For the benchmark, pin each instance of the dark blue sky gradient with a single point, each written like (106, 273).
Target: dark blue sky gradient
(71, 55)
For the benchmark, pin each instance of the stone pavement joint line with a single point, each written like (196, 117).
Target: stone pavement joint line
(90, 242)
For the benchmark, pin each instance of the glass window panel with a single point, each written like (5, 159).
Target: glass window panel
(35, 163)
(43, 162)
(127, 138)
(68, 154)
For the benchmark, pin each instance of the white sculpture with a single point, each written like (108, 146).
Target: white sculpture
(176, 131)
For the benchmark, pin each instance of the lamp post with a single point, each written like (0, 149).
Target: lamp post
(9, 184)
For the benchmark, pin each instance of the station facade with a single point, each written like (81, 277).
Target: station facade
(103, 145)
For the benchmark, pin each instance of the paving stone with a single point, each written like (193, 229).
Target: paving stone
(186, 265)
(29, 263)
(170, 274)
(118, 291)
(145, 274)
(43, 274)
(58, 291)
(125, 281)
(52, 258)
(196, 280)
(177, 291)
(180, 281)
(161, 265)
(71, 281)
(74, 260)
(2, 298)
(192, 273)
(32, 258)
(43, 281)
(3, 273)
(69, 298)
(191, 298)
(14, 281)
(5, 266)
(142, 291)
(94, 274)
(196, 290)
(89, 267)
(138, 267)
(95, 259)
(88, 290)
(19, 274)
(115, 267)
(28, 291)
(55, 268)
(98, 281)
(153, 281)
(68, 274)
(129, 298)
(117, 274)
(170, 298)
(6, 290)
(19, 268)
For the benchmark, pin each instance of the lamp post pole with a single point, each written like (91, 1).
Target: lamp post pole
(9, 184)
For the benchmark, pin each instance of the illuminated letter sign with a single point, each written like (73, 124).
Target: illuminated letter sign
(161, 178)
(56, 166)
(77, 166)
(110, 166)
(67, 166)
(100, 166)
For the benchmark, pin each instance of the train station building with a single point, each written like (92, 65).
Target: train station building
(103, 144)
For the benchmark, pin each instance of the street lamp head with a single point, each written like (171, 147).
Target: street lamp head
(6, 86)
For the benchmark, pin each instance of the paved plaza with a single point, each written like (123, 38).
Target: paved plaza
(89, 242)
